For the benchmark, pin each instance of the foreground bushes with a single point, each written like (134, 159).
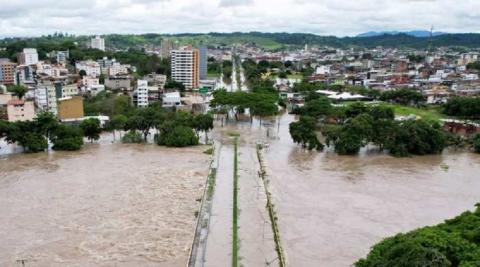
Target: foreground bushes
(453, 243)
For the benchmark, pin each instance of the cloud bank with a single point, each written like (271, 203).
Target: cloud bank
(324, 17)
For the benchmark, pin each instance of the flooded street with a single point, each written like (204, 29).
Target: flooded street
(107, 205)
(332, 208)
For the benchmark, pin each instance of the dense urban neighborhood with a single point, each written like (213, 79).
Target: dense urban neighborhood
(258, 149)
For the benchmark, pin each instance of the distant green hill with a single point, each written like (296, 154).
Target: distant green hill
(278, 40)
(266, 40)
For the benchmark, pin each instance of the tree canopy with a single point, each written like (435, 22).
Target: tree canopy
(455, 242)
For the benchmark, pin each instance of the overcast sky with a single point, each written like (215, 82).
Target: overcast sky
(323, 17)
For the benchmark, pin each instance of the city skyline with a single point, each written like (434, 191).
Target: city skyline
(326, 17)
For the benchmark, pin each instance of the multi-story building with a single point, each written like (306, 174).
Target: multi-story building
(7, 72)
(46, 98)
(25, 75)
(185, 66)
(91, 68)
(20, 110)
(142, 93)
(118, 83)
(62, 57)
(98, 43)
(117, 69)
(203, 62)
(67, 90)
(29, 56)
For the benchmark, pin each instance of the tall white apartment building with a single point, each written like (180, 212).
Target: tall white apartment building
(46, 98)
(98, 43)
(29, 56)
(185, 66)
(142, 93)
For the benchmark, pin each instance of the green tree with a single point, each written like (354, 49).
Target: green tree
(203, 122)
(17, 90)
(263, 108)
(317, 108)
(67, 138)
(91, 129)
(117, 123)
(172, 84)
(177, 136)
(303, 133)
(82, 73)
(143, 120)
(452, 243)
(417, 138)
(26, 134)
(46, 122)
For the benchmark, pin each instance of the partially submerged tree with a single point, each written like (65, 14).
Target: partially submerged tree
(303, 133)
(91, 129)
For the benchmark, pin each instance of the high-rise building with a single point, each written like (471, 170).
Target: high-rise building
(203, 62)
(98, 43)
(7, 72)
(185, 66)
(29, 56)
(142, 93)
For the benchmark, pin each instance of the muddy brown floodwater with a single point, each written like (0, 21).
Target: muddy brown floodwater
(107, 205)
(332, 208)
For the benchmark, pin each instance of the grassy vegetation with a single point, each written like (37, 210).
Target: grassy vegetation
(211, 183)
(235, 206)
(430, 113)
(295, 76)
(213, 75)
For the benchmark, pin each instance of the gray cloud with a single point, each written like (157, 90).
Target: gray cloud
(333, 17)
(229, 3)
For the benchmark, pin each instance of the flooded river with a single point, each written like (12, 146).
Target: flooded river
(332, 208)
(107, 205)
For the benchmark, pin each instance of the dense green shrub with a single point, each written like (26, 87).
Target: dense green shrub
(68, 138)
(455, 242)
(179, 136)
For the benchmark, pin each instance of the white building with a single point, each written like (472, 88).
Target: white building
(46, 99)
(172, 99)
(90, 81)
(185, 66)
(117, 69)
(91, 68)
(29, 56)
(142, 93)
(92, 85)
(98, 43)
